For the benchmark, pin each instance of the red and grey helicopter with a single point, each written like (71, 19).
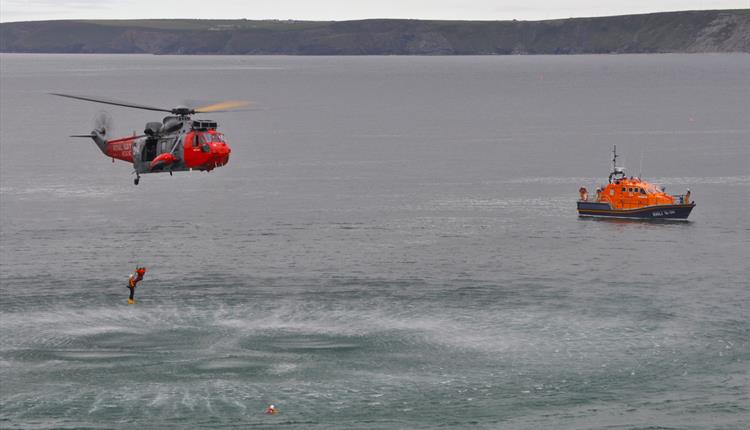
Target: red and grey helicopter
(177, 143)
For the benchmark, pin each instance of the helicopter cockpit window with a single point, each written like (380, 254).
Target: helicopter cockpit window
(202, 141)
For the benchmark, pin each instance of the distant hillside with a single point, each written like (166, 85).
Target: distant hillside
(695, 31)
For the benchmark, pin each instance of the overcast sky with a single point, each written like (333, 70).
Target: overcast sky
(28, 10)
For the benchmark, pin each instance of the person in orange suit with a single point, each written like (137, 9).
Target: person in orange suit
(133, 280)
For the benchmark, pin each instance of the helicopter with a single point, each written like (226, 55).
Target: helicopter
(177, 143)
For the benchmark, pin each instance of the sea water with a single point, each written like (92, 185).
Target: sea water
(393, 244)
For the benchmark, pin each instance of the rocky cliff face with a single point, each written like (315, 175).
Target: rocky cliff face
(725, 33)
(696, 31)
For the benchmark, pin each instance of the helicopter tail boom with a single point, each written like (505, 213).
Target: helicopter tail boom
(99, 139)
(121, 149)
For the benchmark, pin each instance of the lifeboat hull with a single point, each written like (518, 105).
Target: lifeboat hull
(669, 212)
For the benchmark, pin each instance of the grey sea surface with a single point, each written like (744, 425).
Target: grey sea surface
(393, 244)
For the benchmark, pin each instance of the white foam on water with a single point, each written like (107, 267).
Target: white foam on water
(282, 368)
(91, 355)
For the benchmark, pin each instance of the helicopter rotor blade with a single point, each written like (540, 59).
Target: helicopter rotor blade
(225, 106)
(112, 102)
(89, 136)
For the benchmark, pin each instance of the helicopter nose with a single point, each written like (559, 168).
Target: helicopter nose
(220, 152)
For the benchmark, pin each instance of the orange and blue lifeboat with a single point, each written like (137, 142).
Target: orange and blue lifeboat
(631, 197)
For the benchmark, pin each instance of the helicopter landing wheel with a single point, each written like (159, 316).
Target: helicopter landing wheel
(136, 180)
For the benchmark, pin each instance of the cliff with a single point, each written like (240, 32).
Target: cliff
(692, 31)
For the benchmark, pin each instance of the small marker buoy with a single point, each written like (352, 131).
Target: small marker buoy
(271, 410)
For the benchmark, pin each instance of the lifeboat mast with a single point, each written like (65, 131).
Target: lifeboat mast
(617, 172)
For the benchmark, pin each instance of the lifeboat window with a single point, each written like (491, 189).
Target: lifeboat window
(623, 189)
(630, 190)
(643, 191)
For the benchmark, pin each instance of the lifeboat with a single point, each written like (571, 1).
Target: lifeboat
(630, 197)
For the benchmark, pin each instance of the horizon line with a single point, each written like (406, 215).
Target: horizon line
(377, 18)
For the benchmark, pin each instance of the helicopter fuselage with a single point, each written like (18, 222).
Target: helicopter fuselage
(176, 144)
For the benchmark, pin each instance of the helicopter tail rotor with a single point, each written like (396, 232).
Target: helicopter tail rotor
(103, 123)
(102, 130)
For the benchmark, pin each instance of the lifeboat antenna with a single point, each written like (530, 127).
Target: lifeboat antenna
(614, 158)
(640, 168)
